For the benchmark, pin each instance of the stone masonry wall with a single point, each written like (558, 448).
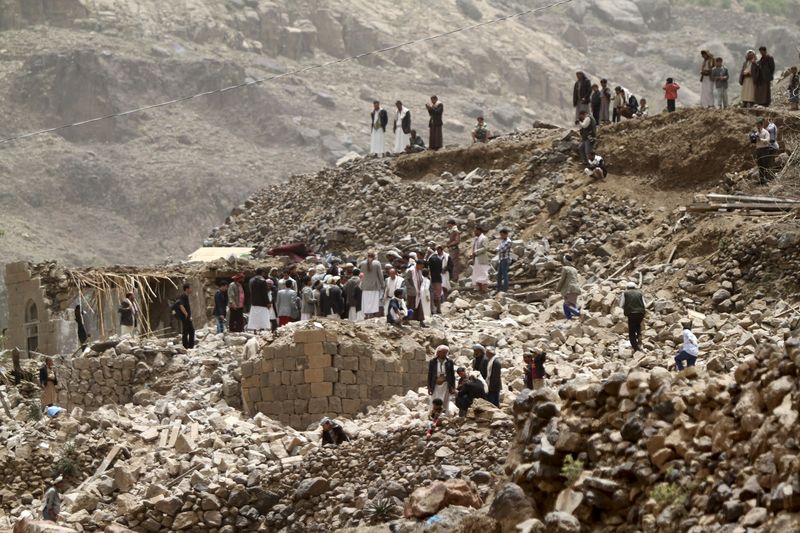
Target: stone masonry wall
(319, 375)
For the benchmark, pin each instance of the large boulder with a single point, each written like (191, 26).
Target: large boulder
(561, 523)
(510, 507)
(622, 14)
(308, 488)
(427, 501)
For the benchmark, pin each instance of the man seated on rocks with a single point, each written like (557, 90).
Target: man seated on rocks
(534, 369)
(691, 347)
(434, 417)
(596, 167)
(397, 313)
(332, 433)
(415, 143)
(480, 134)
(469, 388)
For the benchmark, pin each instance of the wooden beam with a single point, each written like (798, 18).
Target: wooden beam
(757, 199)
(742, 206)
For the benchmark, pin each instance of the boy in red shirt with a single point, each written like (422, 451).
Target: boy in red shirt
(671, 94)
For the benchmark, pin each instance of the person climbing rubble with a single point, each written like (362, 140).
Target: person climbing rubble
(332, 433)
(691, 347)
(184, 313)
(434, 417)
(470, 387)
(569, 288)
(51, 507)
(534, 368)
(48, 379)
(595, 166)
(634, 306)
(441, 376)
(493, 377)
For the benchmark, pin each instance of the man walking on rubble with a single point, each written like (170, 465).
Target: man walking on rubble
(372, 286)
(493, 379)
(504, 256)
(185, 316)
(633, 305)
(569, 288)
(287, 304)
(236, 304)
(221, 305)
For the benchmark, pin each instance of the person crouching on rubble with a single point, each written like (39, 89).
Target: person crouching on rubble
(332, 433)
(691, 347)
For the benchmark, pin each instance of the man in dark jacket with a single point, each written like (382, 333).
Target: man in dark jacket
(634, 306)
(493, 377)
(221, 305)
(352, 297)
(185, 316)
(435, 268)
(441, 377)
(766, 73)
(331, 301)
(479, 359)
(581, 93)
(332, 433)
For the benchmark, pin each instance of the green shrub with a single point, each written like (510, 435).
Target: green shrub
(67, 464)
(381, 510)
(35, 411)
(571, 469)
(670, 494)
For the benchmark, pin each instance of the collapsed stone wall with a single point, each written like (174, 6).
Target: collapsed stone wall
(316, 374)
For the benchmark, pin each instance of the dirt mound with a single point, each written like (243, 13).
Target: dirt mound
(686, 149)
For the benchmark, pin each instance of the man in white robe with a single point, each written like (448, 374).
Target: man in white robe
(402, 128)
(393, 283)
(441, 377)
(377, 143)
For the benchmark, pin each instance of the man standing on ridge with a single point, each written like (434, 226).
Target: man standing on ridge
(581, 94)
(402, 127)
(377, 141)
(435, 110)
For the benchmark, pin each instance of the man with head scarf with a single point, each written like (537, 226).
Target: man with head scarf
(372, 287)
(569, 288)
(332, 433)
(748, 77)
(479, 359)
(441, 377)
(633, 305)
(493, 379)
(435, 110)
(581, 93)
(706, 81)
(402, 127)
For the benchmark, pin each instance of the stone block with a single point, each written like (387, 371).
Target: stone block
(274, 379)
(267, 365)
(279, 393)
(252, 381)
(331, 336)
(313, 349)
(305, 336)
(330, 374)
(376, 393)
(321, 390)
(352, 391)
(318, 406)
(349, 406)
(277, 363)
(330, 347)
(254, 395)
(319, 361)
(335, 404)
(300, 407)
(380, 378)
(314, 375)
(346, 348)
(379, 366)
(286, 378)
(247, 369)
(297, 377)
(263, 379)
(395, 379)
(366, 363)
(303, 391)
(339, 390)
(266, 394)
(349, 363)
(347, 377)
(291, 393)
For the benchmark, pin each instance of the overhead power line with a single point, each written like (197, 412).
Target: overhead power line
(287, 74)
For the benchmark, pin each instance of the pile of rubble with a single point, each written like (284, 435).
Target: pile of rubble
(370, 202)
(663, 451)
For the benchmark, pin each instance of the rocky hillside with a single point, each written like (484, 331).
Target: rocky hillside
(145, 187)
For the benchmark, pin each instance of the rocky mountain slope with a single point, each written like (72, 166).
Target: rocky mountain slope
(141, 188)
